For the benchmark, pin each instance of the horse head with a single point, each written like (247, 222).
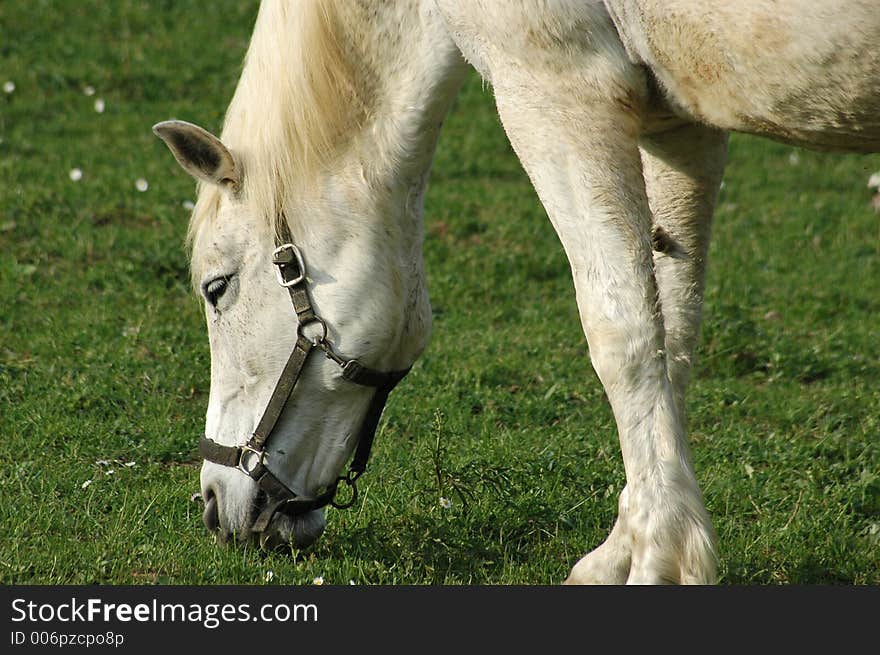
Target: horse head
(313, 315)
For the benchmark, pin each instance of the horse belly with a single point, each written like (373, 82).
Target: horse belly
(805, 72)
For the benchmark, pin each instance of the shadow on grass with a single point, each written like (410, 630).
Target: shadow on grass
(450, 551)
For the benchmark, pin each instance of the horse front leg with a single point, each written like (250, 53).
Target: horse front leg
(585, 164)
(682, 170)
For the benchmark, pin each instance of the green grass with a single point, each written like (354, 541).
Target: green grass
(103, 354)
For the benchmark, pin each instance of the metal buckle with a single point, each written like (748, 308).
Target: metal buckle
(250, 460)
(297, 258)
(351, 370)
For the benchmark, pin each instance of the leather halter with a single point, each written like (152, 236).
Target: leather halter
(250, 458)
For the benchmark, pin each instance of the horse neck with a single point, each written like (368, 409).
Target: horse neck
(376, 186)
(412, 71)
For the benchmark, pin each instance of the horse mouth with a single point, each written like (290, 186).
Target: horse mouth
(292, 531)
(284, 531)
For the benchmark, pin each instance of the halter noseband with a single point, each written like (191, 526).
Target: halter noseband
(250, 458)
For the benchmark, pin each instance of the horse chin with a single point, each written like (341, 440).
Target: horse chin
(299, 531)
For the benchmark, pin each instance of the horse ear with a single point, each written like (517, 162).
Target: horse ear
(201, 154)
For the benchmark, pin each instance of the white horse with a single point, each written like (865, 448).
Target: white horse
(618, 110)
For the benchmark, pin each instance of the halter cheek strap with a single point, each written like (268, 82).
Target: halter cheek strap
(250, 458)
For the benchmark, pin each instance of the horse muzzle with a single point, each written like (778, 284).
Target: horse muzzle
(298, 531)
(280, 530)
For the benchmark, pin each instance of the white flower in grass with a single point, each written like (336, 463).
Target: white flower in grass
(196, 497)
(189, 205)
(445, 503)
(86, 484)
(109, 472)
(141, 184)
(102, 462)
(8, 87)
(319, 580)
(129, 464)
(100, 105)
(89, 90)
(794, 158)
(76, 174)
(269, 576)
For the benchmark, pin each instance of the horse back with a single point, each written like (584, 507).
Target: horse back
(805, 72)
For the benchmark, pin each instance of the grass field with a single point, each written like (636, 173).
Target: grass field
(104, 357)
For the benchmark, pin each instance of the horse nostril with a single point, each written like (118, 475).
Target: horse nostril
(211, 515)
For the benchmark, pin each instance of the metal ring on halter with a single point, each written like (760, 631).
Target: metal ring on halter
(350, 480)
(250, 460)
(318, 340)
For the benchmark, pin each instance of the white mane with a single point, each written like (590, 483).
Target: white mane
(295, 98)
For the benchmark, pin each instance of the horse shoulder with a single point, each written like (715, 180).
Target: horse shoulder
(567, 48)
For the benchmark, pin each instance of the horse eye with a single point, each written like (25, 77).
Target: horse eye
(215, 289)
